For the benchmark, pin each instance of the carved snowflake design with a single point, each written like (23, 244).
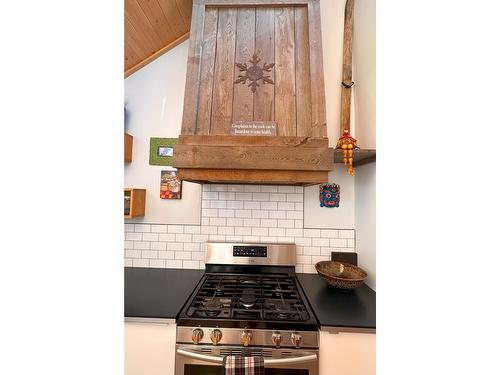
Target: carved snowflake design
(254, 73)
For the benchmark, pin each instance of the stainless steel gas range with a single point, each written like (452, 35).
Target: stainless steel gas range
(248, 303)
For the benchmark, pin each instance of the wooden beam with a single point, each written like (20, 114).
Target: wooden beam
(345, 106)
(236, 140)
(157, 54)
(253, 157)
(256, 176)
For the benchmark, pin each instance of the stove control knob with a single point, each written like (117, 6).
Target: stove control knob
(276, 337)
(246, 337)
(197, 335)
(296, 339)
(215, 336)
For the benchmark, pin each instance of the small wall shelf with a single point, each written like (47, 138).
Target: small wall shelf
(134, 202)
(361, 156)
(128, 148)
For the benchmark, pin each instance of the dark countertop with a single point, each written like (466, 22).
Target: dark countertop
(333, 307)
(158, 292)
(162, 292)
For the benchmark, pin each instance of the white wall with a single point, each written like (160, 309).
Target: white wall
(365, 222)
(364, 73)
(154, 98)
(236, 213)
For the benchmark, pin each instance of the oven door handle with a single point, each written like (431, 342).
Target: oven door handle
(280, 361)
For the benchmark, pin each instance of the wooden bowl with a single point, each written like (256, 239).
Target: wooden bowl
(341, 275)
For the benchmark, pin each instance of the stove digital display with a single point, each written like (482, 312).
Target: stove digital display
(250, 251)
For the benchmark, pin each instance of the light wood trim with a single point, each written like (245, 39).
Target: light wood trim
(157, 54)
(237, 140)
(256, 176)
(253, 157)
(127, 152)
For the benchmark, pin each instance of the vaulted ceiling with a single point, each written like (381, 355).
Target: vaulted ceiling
(152, 27)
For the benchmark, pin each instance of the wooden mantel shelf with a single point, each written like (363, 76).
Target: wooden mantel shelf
(361, 156)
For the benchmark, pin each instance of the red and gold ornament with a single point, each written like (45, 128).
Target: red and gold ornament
(347, 144)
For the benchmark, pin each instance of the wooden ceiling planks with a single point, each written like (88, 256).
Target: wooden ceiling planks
(152, 27)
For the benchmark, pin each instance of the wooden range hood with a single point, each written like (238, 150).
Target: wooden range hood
(254, 63)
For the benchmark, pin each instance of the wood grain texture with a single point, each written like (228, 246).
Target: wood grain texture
(243, 96)
(284, 94)
(236, 140)
(345, 105)
(154, 56)
(207, 72)
(318, 112)
(222, 104)
(257, 176)
(137, 202)
(145, 46)
(152, 26)
(253, 157)
(264, 46)
(131, 57)
(144, 31)
(127, 150)
(173, 16)
(302, 73)
(157, 19)
(190, 110)
(185, 7)
(252, 3)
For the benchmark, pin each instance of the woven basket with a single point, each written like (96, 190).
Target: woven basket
(341, 275)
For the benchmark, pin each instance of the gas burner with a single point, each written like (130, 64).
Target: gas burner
(248, 298)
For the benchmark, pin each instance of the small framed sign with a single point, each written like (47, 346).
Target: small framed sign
(161, 150)
(266, 128)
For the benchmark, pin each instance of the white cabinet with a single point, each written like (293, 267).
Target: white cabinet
(346, 353)
(149, 347)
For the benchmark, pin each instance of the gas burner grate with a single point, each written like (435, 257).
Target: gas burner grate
(248, 297)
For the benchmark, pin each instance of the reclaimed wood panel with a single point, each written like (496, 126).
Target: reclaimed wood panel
(207, 71)
(245, 47)
(264, 46)
(256, 176)
(240, 140)
(318, 109)
(302, 73)
(190, 110)
(284, 94)
(222, 104)
(253, 157)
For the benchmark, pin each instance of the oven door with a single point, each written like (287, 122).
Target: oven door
(207, 360)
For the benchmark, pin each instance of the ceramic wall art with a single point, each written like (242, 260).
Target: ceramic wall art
(329, 195)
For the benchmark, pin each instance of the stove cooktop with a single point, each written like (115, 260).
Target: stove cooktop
(265, 301)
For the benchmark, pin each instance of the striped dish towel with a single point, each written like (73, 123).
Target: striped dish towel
(238, 365)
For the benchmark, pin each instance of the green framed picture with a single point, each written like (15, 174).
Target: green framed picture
(161, 150)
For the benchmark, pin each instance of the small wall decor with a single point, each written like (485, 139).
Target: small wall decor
(170, 186)
(161, 150)
(254, 73)
(329, 195)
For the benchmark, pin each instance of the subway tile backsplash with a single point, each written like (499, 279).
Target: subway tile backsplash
(236, 213)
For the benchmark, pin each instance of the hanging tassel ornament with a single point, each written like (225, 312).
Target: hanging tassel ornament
(347, 144)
